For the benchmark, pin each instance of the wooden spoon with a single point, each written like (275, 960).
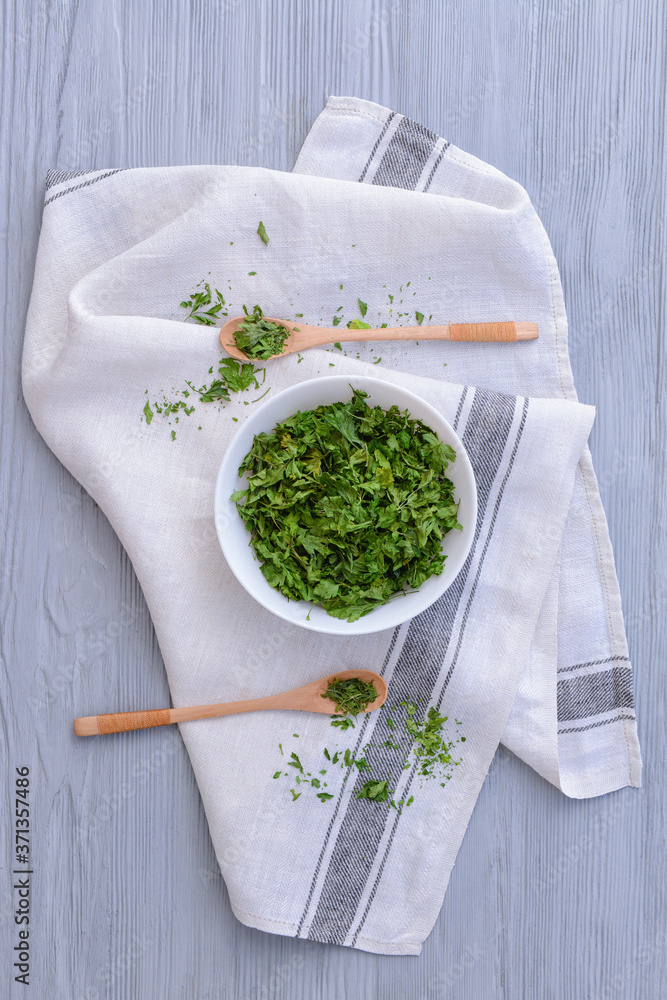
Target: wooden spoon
(304, 699)
(302, 336)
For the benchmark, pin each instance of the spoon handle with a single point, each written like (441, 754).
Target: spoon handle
(480, 332)
(123, 722)
(303, 699)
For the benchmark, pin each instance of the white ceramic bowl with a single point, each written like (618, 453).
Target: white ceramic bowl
(235, 538)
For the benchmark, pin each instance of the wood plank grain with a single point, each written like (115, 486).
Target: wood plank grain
(550, 898)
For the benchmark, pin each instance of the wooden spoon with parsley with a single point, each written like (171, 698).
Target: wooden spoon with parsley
(263, 337)
(348, 698)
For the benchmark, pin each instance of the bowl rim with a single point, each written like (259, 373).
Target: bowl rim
(228, 476)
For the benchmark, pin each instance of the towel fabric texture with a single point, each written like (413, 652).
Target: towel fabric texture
(528, 644)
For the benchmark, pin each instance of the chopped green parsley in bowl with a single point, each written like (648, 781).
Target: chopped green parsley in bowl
(346, 505)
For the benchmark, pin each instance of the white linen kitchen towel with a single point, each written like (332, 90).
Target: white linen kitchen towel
(118, 251)
(573, 717)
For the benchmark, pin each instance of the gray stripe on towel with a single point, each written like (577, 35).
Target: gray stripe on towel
(77, 187)
(406, 155)
(415, 676)
(592, 663)
(54, 177)
(624, 717)
(592, 694)
(464, 622)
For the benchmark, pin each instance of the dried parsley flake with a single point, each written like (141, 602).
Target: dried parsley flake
(258, 337)
(198, 301)
(351, 696)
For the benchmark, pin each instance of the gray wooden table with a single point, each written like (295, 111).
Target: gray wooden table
(550, 898)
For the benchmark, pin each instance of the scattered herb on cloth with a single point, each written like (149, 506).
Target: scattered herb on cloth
(239, 376)
(418, 743)
(263, 235)
(217, 391)
(343, 723)
(377, 791)
(233, 376)
(198, 301)
(424, 744)
(347, 505)
(259, 337)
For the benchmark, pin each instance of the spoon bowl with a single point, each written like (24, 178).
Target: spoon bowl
(302, 336)
(309, 698)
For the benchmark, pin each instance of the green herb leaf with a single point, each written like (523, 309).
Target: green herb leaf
(148, 413)
(238, 376)
(420, 317)
(198, 302)
(343, 724)
(261, 230)
(258, 337)
(324, 796)
(377, 791)
(216, 391)
(363, 307)
(358, 324)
